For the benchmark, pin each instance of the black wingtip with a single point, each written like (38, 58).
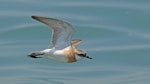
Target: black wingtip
(34, 17)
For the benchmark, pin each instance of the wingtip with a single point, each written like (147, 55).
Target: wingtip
(34, 17)
(38, 17)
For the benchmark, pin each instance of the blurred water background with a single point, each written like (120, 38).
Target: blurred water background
(116, 35)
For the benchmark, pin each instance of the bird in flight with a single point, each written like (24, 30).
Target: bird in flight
(62, 47)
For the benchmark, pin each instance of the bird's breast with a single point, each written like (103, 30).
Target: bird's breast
(70, 54)
(65, 55)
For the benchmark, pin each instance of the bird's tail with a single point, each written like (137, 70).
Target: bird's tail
(36, 54)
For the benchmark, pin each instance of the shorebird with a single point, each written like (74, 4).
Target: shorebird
(62, 47)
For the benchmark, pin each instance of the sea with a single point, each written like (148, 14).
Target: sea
(115, 33)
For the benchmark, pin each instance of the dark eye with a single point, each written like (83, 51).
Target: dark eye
(80, 54)
(83, 55)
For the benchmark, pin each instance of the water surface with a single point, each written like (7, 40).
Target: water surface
(116, 35)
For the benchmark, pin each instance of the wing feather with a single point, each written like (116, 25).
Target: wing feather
(61, 31)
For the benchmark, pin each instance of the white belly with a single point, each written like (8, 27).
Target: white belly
(57, 56)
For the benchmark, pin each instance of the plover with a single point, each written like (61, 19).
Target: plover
(62, 47)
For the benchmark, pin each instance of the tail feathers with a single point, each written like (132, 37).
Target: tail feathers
(36, 54)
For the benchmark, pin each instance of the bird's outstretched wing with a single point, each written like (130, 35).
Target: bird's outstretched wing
(61, 31)
(76, 42)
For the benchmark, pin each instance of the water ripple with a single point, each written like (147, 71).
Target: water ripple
(133, 5)
(118, 48)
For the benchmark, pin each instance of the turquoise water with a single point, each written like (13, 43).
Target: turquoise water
(116, 35)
